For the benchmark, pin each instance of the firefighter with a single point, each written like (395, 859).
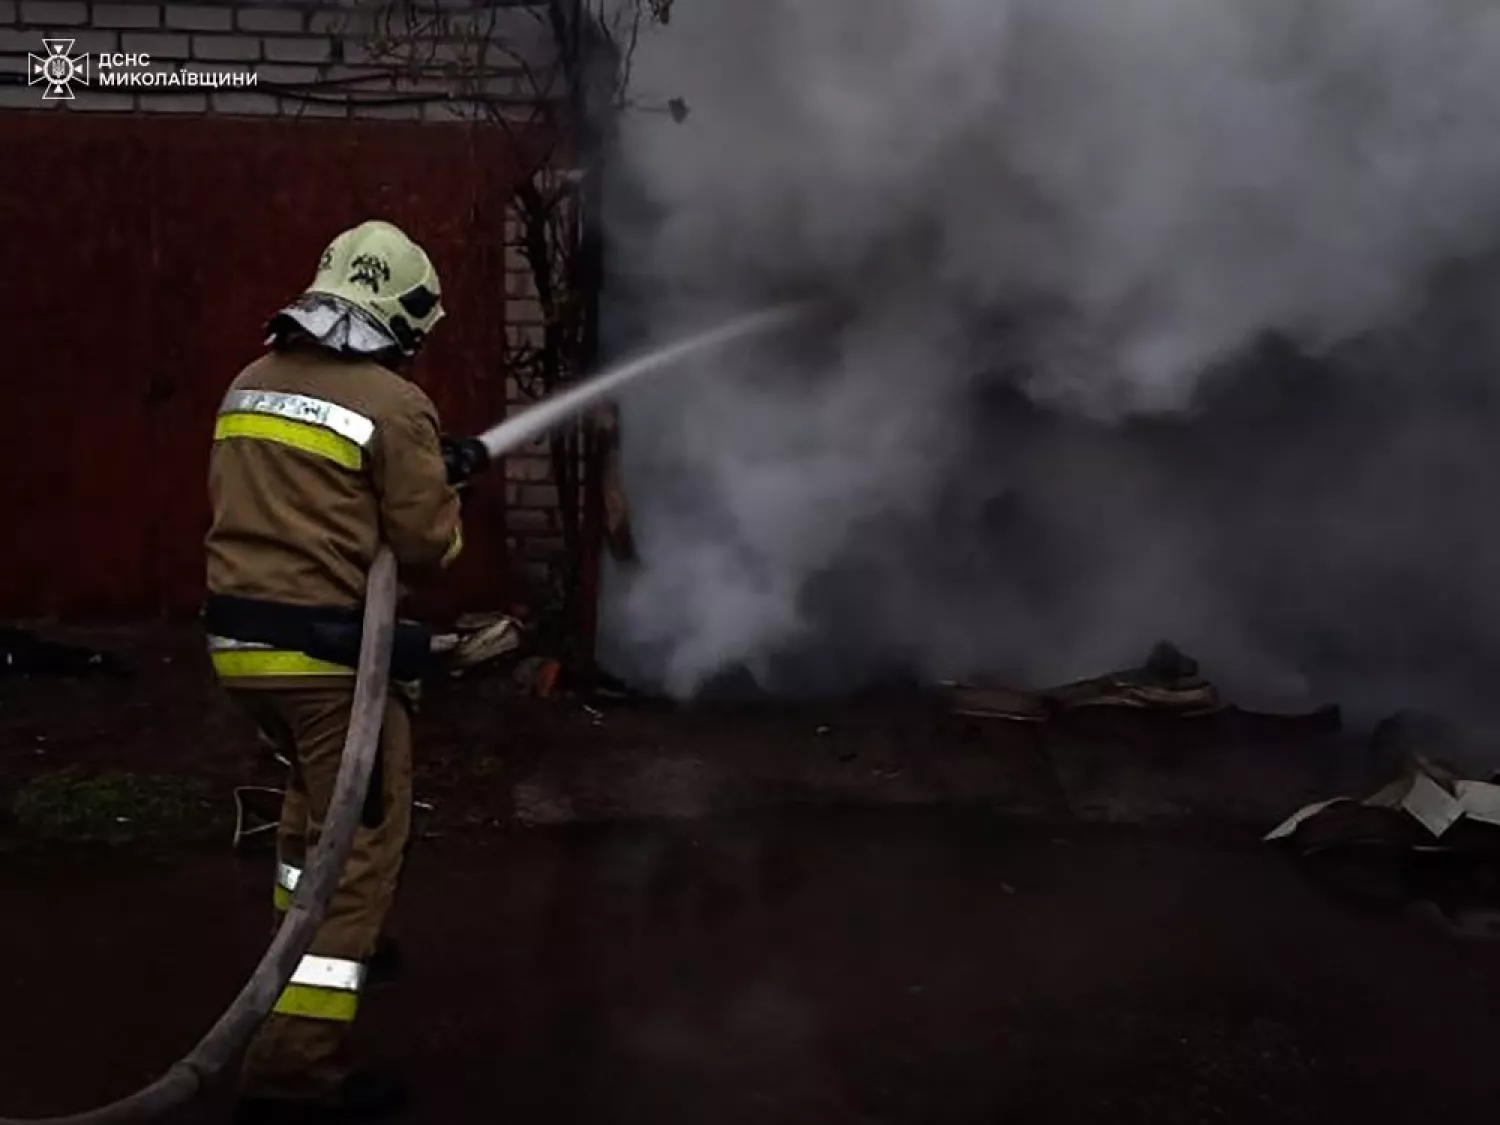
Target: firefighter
(323, 448)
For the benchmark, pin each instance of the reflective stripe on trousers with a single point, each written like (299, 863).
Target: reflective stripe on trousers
(287, 878)
(323, 988)
(313, 425)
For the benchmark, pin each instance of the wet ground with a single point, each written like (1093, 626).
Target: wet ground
(867, 913)
(875, 966)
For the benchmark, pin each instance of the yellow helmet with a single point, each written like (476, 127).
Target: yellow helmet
(384, 274)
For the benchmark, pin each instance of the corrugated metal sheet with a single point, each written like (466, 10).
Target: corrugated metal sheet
(140, 259)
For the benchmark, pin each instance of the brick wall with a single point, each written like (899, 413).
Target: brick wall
(533, 529)
(327, 60)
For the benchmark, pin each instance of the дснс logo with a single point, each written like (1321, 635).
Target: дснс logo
(59, 68)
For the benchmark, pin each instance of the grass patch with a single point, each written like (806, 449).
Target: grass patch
(110, 807)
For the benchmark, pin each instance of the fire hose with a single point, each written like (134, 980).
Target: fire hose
(187, 1077)
(189, 1074)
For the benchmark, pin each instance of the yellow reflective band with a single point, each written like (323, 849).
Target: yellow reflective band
(236, 663)
(317, 1003)
(323, 988)
(455, 547)
(297, 435)
(281, 899)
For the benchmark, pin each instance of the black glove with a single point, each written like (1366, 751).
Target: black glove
(464, 458)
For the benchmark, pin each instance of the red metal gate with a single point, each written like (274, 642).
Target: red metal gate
(140, 258)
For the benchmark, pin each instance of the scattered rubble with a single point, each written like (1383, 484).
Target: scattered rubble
(479, 639)
(1168, 682)
(1426, 834)
(1423, 767)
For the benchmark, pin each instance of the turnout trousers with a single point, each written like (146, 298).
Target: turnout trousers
(303, 1050)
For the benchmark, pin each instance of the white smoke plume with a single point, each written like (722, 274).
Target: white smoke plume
(1110, 200)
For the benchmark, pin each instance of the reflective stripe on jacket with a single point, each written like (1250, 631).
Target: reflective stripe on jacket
(312, 425)
(234, 659)
(316, 460)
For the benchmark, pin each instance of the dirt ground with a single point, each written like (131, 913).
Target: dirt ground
(856, 914)
(488, 757)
